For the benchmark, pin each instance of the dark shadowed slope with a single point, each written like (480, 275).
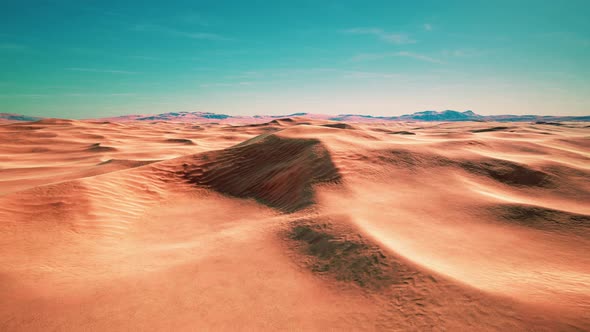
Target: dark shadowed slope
(276, 171)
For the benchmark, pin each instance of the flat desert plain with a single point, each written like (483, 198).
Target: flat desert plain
(294, 224)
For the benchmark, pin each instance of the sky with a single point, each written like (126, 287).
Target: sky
(90, 59)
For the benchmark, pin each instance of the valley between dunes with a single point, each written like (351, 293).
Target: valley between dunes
(294, 224)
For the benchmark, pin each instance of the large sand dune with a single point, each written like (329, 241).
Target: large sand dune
(294, 224)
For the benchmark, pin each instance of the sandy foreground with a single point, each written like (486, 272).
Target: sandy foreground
(294, 224)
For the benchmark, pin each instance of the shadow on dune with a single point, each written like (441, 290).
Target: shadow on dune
(339, 125)
(492, 129)
(403, 132)
(53, 121)
(508, 172)
(96, 147)
(504, 171)
(276, 171)
(185, 141)
(345, 255)
(126, 163)
(542, 218)
(549, 123)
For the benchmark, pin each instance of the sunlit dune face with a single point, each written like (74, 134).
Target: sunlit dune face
(294, 224)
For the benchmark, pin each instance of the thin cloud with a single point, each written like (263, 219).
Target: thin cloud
(99, 52)
(180, 33)
(334, 72)
(369, 57)
(427, 26)
(368, 75)
(108, 71)
(194, 18)
(389, 37)
(418, 57)
(143, 57)
(210, 85)
(9, 46)
(74, 94)
(462, 53)
(67, 94)
(246, 75)
(25, 95)
(122, 94)
(566, 37)
(104, 12)
(378, 56)
(270, 76)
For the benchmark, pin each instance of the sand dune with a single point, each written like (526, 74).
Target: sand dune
(276, 171)
(294, 224)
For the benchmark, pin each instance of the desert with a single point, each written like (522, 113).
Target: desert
(296, 223)
(301, 165)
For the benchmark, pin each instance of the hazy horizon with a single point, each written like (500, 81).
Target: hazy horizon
(101, 59)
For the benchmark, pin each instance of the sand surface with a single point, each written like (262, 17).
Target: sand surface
(295, 224)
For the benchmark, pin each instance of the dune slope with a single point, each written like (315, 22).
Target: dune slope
(276, 171)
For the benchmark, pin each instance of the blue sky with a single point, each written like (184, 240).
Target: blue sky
(81, 59)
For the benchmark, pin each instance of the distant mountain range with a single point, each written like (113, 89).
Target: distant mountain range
(448, 115)
(18, 117)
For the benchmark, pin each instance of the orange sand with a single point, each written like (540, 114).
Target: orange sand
(181, 226)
